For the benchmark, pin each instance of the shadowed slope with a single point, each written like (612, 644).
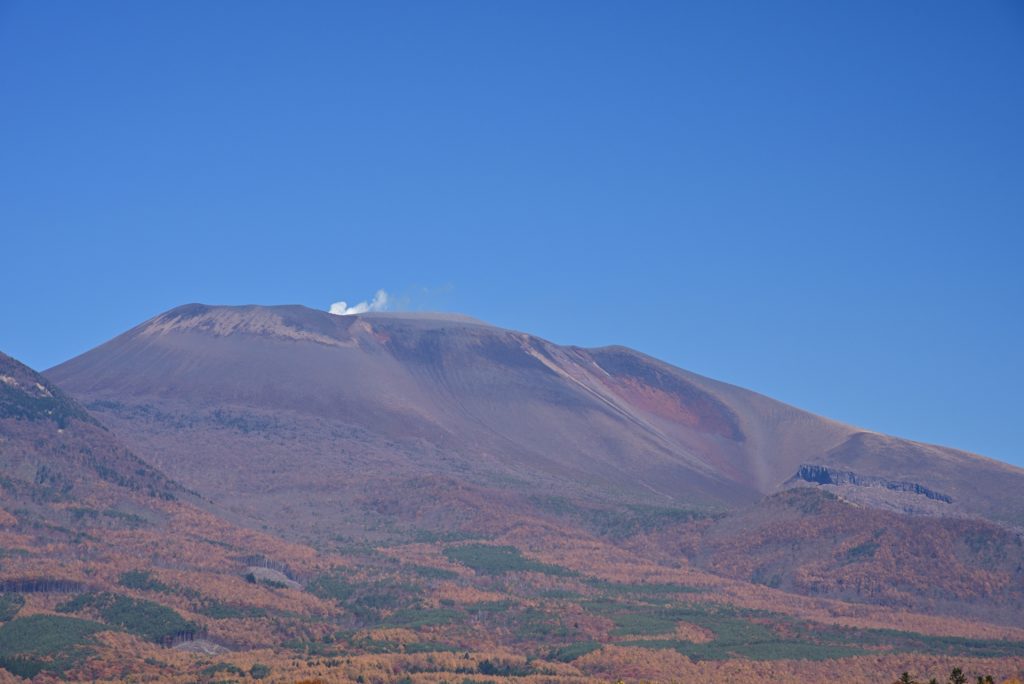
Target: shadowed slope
(53, 449)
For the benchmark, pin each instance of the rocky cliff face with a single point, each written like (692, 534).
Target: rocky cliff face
(824, 475)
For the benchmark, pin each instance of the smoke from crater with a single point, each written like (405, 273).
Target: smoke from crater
(378, 303)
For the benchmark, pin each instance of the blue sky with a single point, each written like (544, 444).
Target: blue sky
(819, 201)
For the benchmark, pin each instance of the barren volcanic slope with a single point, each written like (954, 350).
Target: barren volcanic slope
(290, 409)
(390, 427)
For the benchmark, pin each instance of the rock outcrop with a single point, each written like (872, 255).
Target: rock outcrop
(824, 475)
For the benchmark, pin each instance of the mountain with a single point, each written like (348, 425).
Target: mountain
(392, 427)
(394, 497)
(281, 404)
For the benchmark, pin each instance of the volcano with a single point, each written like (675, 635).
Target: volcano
(301, 419)
(373, 491)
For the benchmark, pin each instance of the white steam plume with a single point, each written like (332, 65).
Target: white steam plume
(378, 303)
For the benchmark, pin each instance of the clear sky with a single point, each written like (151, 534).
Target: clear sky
(821, 201)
